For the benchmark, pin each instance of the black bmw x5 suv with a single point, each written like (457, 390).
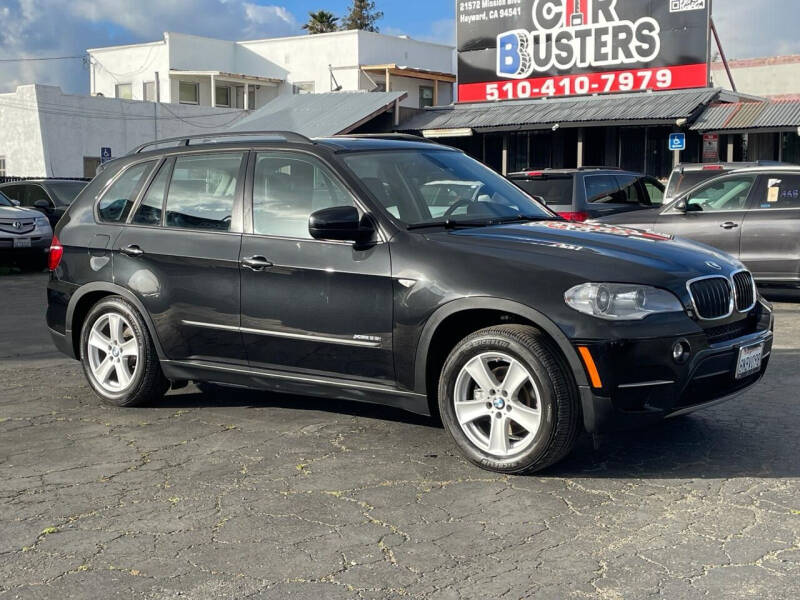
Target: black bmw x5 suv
(324, 267)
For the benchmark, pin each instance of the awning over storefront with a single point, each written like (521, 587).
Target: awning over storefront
(644, 108)
(748, 116)
(320, 115)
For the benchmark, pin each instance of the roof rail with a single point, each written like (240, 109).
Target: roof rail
(591, 168)
(185, 140)
(388, 136)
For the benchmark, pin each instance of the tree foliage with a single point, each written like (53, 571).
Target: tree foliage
(362, 15)
(321, 21)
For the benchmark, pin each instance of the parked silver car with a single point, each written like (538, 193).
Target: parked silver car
(25, 236)
(752, 214)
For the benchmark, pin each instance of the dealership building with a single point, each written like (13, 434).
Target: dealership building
(564, 84)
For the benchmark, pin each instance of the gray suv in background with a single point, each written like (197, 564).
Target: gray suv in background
(590, 192)
(752, 214)
(688, 175)
(25, 236)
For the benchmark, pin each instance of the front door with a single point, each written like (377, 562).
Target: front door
(179, 254)
(771, 229)
(712, 214)
(307, 305)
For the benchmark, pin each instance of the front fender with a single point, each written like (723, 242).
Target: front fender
(509, 306)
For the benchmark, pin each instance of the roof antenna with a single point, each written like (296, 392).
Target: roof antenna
(335, 86)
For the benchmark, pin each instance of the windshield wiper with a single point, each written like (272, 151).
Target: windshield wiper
(454, 223)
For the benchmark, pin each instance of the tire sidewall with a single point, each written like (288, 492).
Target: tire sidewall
(102, 308)
(492, 342)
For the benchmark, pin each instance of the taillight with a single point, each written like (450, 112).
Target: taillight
(56, 252)
(713, 168)
(535, 174)
(579, 217)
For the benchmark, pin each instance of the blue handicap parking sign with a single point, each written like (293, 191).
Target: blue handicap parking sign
(677, 141)
(105, 154)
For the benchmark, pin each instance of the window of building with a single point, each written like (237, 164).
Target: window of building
(2, 166)
(223, 95)
(287, 188)
(152, 204)
(124, 91)
(188, 92)
(149, 91)
(304, 87)
(202, 191)
(251, 97)
(116, 203)
(425, 96)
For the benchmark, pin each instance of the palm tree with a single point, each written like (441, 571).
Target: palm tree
(321, 21)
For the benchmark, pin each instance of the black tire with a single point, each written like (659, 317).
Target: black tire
(560, 422)
(148, 383)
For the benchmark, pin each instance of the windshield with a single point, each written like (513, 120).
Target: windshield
(65, 192)
(438, 186)
(4, 201)
(680, 182)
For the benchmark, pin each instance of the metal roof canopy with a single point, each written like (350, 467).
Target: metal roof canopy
(319, 115)
(641, 108)
(401, 71)
(741, 117)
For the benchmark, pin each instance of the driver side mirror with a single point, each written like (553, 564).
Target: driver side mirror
(680, 205)
(14, 202)
(42, 205)
(340, 223)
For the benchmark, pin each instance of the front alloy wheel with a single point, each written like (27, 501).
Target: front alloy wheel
(497, 404)
(509, 400)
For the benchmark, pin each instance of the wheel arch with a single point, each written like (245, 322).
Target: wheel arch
(90, 294)
(425, 362)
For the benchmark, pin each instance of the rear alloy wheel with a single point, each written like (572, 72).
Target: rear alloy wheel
(508, 400)
(118, 356)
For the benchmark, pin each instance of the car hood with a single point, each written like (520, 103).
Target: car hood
(602, 252)
(15, 212)
(644, 218)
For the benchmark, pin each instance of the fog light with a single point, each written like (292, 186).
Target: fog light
(681, 351)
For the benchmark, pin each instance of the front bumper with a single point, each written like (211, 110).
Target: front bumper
(642, 384)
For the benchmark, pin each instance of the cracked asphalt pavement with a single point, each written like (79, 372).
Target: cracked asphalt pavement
(251, 495)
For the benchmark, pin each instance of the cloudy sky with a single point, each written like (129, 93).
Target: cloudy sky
(49, 28)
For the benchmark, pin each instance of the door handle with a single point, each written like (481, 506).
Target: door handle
(729, 225)
(132, 250)
(256, 263)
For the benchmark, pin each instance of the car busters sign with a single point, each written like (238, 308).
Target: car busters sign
(512, 49)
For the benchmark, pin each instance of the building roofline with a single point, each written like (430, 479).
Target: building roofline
(767, 61)
(126, 46)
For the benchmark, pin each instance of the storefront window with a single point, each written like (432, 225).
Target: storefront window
(791, 148)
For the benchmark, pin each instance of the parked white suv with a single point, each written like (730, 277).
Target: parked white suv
(25, 236)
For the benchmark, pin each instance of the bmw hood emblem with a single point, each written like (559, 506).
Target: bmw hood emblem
(713, 265)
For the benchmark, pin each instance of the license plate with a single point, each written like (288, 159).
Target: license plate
(22, 242)
(749, 361)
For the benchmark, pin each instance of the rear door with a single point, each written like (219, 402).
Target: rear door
(179, 254)
(771, 229)
(309, 305)
(713, 213)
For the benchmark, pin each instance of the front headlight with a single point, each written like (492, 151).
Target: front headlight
(621, 301)
(42, 222)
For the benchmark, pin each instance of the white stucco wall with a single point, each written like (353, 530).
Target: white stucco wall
(306, 58)
(776, 76)
(20, 133)
(55, 131)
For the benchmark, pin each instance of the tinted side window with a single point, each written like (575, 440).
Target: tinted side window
(116, 203)
(34, 193)
(603, 189)
(655, 191)
(555, 190)
(783, 191)
(721, 195)
(15, 192)
(152, 204)
(287, 188)
(202, 192)
(629, 189)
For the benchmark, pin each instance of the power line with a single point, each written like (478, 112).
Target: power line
(41, 58)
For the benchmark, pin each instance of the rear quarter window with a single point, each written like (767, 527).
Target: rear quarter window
(554, 190)
(117, 200)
